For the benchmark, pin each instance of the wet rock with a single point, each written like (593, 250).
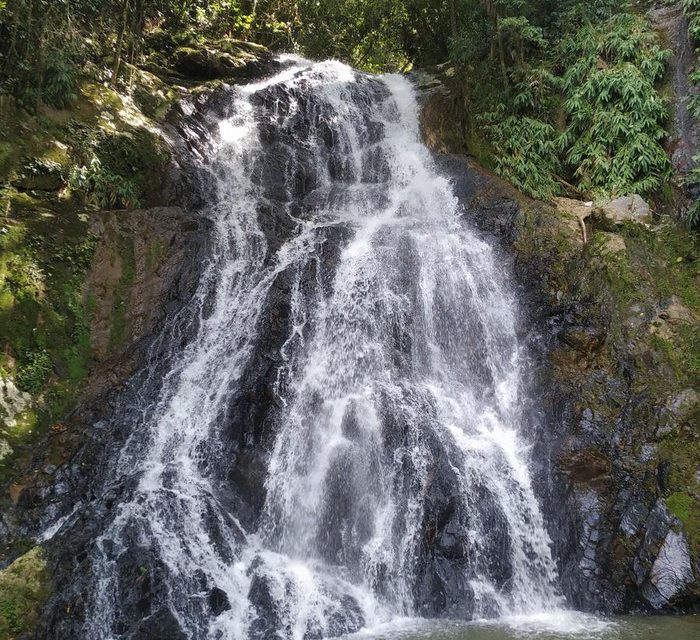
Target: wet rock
(345, 619)
(218, 601)
(656, 528)
(267, 619)
(430, 84)
(671, 572)
(683, 145)
(634, 516)
(161, 625)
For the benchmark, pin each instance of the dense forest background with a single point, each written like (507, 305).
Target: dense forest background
(555, 95)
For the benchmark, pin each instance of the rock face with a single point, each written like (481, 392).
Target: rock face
(627, 209)
(144, 269)
(140, 270)
(619, 428)
(669, 18)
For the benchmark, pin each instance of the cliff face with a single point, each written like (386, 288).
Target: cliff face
(610, 307)
(612, 297)
(100, 247)
(670, 21)
(610, 310)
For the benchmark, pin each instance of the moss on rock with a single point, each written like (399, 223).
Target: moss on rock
(627, 354)
(24, 587)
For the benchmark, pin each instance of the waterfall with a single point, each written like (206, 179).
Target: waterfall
(340, 442)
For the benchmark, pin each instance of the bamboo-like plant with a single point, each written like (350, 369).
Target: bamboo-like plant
(615, 114)
(525, 153)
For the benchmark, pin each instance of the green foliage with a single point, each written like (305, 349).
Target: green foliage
(24, 586)
(525, 153)
(43, 319)
(34, 371)
(574, 13)
(586, 72)
(693, 180)
(59, 83)
(615, 115)
(535, 91)
(471, 44)
(116, 170)
(687, 509)
(38, 44)
(366, 33)
(522, 36)
(101, 188)
(692, 11)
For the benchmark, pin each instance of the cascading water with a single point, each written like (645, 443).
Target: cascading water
(396, 480)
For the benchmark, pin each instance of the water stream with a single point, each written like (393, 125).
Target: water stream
(395, 465)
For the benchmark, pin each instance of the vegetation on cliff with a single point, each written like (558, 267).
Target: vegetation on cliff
(56, 167)
(550, 94)
(24, 586)
(557, 96)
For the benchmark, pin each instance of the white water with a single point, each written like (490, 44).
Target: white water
(401, 366)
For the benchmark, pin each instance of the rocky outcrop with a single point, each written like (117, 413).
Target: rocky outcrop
(223, 59)
(24, 586)
(618, 449)
(626, 209)
(140, 272)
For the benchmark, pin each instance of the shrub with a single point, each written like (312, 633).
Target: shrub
(102, 188)
(59, 83)
(34, 371)
(525, 153)
(693, 217)
(615, 115)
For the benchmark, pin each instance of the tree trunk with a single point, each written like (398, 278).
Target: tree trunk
(137, 27)
(120, 44)
(501, 51)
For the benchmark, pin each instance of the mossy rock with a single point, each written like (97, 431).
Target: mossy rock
(226, 58)
(41, 174)
(24, 586)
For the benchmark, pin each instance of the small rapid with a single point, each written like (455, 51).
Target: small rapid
(391, 476)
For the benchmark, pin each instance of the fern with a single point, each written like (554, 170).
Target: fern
(692, 12)
(101, 188)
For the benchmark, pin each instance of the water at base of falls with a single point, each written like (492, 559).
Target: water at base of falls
(392, 472)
